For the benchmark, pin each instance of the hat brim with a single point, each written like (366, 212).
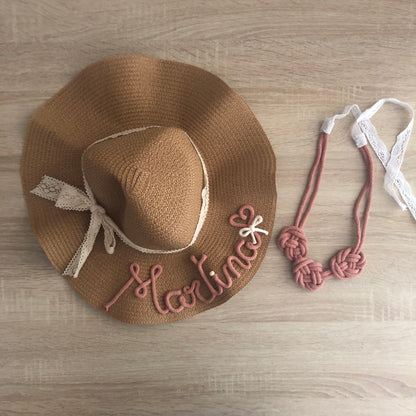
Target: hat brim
(133, 91)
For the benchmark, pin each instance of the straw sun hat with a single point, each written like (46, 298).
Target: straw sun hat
(150, 186)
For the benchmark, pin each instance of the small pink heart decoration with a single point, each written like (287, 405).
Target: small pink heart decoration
(244, 217)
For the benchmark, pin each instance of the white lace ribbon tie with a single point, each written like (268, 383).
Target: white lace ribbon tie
(364, 132)
(394, 181)
(71, 198)
(252, 228)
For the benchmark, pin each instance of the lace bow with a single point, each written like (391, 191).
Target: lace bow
(71, 198)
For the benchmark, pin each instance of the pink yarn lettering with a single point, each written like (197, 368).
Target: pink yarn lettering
(178, 299)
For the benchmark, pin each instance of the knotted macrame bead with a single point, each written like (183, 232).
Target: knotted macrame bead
(292, 241)
(346, 263)
(308, 273)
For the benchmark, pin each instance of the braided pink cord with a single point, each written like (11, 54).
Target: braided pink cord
(292, 241)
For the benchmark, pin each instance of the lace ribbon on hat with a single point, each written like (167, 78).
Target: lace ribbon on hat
(69, 197)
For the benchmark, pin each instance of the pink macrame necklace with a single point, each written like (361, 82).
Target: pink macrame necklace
(348, 262)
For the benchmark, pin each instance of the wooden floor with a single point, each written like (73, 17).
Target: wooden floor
(348, 349)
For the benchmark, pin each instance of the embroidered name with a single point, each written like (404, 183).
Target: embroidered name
(245, 252)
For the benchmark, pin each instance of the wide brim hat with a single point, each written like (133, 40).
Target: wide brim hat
(151, 186)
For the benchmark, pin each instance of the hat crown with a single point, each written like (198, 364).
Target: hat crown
(150, 182)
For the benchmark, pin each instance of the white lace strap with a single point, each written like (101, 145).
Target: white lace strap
(394, 180)
(358, 137)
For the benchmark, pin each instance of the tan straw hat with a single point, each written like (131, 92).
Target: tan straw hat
(151, 186)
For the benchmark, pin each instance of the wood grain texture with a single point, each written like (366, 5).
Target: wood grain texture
(348, 349)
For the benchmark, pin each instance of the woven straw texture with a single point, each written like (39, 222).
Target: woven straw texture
(148, 182)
